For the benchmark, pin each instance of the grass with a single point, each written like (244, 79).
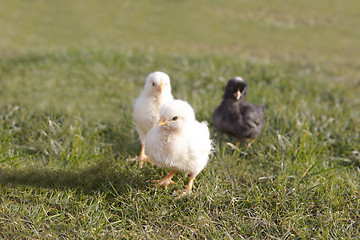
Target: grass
(66, 123)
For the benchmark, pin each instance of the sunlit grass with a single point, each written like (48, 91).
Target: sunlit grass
(65, 139)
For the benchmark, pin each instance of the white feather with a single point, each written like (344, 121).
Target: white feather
(182, 145)
(147, 106)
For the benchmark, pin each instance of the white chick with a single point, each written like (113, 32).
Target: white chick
(179, 142)
(146, 109)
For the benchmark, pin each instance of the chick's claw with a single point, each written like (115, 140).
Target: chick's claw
(166, 180)
(143, 160)
(184, 193)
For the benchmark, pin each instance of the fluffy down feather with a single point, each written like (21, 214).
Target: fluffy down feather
(179, 142)
(146, 109)
(237, 117)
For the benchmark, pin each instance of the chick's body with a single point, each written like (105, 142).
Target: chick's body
(147, 113)
(238, 120)
(237, 117)
(185, 151)
(146, 109)
(179, 142)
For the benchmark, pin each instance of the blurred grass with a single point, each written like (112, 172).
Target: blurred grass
(321, 30)
(70, 70)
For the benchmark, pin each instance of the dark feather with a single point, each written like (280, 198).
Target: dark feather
(236, 117)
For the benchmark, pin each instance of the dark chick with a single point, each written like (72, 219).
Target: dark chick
(237, 117)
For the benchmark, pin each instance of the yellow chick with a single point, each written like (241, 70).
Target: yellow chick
(146, 109)
(179, 142)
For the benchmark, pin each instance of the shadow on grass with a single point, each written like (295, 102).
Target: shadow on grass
(38, 133)
(123, 140)
(105, 175)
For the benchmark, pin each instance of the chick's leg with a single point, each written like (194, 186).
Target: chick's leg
(190, 184)
(166, 180)
(188, 187)
(251, 142)
(142, 156)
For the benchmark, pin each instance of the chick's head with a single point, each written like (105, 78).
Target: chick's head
(175, 115)
(236, 89)
(157, 83)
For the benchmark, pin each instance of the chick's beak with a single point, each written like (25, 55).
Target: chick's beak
(237, 95)
(162, 122)
(160, 87)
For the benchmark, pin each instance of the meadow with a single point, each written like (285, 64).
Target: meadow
(70, 71)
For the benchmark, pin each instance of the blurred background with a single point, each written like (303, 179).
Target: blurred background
(310, 30)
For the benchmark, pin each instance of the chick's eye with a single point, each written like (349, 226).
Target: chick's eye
(174, 118)
(153, 84)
